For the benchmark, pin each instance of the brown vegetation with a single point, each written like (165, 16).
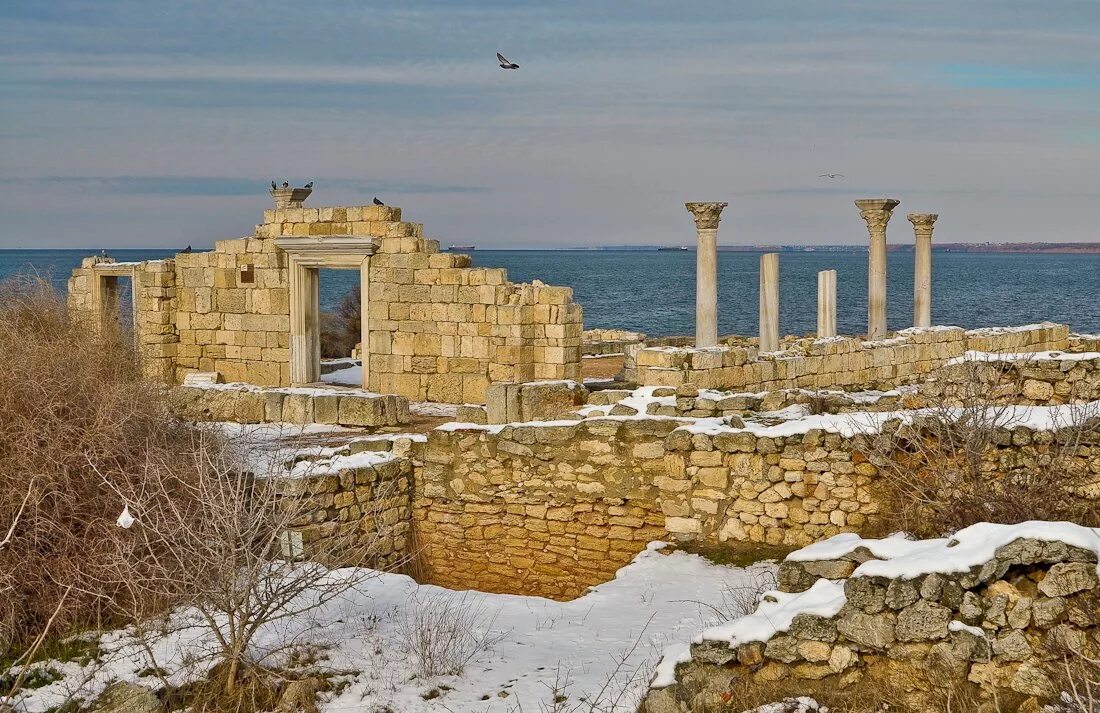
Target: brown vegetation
(340, 330)
(941, 473)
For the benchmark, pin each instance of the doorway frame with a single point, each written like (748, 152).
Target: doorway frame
(306, 257)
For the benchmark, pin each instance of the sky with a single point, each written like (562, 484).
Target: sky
(147, 123)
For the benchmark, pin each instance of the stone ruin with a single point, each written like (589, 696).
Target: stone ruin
(434, 327)
(1002, 609)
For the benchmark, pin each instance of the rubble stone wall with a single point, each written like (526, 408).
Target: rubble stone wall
(551, 509)
(836, 362)
(1018, 379)
(361, 515)
(1009, 625)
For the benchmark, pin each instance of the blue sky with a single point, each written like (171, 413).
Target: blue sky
(136, 123)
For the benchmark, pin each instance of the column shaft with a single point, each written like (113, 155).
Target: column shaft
(876, 213)
(826, 304)
(769, 302)
(706, 288)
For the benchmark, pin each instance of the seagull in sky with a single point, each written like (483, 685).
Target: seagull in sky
(378, 202)
(831, 175)
(505, 63)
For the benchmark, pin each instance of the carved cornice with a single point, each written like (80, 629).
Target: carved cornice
(706, 215)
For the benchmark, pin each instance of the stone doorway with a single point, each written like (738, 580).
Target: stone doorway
(109, 296)
(306, 258)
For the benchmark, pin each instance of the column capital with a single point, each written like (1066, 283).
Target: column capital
(922, 222)
(706, 215)
(876, 212)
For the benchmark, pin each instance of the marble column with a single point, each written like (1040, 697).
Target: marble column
(769, 302)
(706, 217)
(305, 341)
(922, 268)
(364, 322)
(876, 213)
(826, 304)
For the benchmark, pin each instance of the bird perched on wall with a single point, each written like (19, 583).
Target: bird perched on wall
(273, 186)
(378, 202)
(286, 184)
(505, 63)
(309, 185)
(187, 249)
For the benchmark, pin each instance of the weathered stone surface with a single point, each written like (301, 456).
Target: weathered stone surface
(1067, 578)
(923, 621)
(873, 631)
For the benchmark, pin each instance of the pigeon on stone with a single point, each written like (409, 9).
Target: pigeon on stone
(286, 184)
(505, 63)
(309, 185)
(187, 249)
(125, 519)
(378, 202)
(273, 186)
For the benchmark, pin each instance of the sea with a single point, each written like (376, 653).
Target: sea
(654, 292)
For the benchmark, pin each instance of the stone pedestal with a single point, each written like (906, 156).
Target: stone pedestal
(922, 268)
(290, 197)
(707, 216)
(769, 302)
(826, 304)
(876, 213)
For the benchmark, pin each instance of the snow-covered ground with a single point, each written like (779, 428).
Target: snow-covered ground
(606, 643)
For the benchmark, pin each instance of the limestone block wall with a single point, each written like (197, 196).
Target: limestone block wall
(233, 312)
(544, 510)
(441, 330)
(246, 403)
(553, 508)
(837, 362)
(1011, 624)
(154, 307)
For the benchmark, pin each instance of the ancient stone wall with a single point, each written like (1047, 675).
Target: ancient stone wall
(353, 514)
(154, 306)
(552, 508)
(443, 331)
(1039, 379)
(246, 403)
(836, 362)
(1009, 611)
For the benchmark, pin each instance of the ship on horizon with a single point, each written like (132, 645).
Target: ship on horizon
(459, 248)
(671, 248)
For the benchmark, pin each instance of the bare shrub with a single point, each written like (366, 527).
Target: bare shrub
(73, 406)
(444, 631)
(341, 330)
(941, 471)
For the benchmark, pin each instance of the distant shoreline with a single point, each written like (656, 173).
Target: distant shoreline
(1025, 248)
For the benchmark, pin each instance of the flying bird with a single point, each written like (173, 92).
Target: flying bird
(286, 184)
(505, 63)
(831, 175)
(378, 202)
(309, 185)
(273, 186)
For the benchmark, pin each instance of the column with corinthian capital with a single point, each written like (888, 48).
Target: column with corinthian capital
(876, 213)
(922, 268)
(706, 217)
